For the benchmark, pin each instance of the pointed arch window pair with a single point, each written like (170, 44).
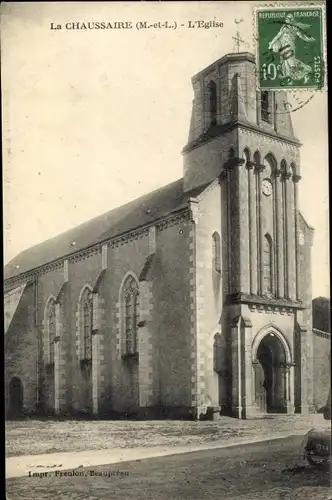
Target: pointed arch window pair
(51, 320)
(130, 300)
(87, 324)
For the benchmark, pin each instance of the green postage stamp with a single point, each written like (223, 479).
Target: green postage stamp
(290, 47)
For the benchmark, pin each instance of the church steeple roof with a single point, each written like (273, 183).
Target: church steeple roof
(227, 58)
(235, 104)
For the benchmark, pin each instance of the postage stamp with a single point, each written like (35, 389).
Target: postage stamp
(290, 47)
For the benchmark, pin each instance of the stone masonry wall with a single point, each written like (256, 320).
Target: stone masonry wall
(172, 315)
(208, 295)
(21, 351)
(322, 368)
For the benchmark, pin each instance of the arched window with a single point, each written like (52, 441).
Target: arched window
(267, 265)
(87, 324)
(270, 164)
(131, 314)
(265, 106)
(217, 366)
(293, 169)
(283, 167)
(212, 102)
(216, 252)
(51, 319)
(246, 156)
(257, 158)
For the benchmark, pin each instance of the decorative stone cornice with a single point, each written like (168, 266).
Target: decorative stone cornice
(26, 278)
(271, 309)
(48, 268)
(269, 135)
(321, 333)
(84, 254)
(127, 238)
(173, 220)
(265, 304)
(249, 128)
(227, 58)
(261, 308)
(80, 255)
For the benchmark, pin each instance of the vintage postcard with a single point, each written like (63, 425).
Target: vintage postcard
(166, 239)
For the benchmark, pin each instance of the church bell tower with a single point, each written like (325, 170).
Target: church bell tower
(245, 138)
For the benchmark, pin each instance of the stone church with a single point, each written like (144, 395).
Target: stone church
(191, 301)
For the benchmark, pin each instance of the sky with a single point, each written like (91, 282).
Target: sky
(93, 119)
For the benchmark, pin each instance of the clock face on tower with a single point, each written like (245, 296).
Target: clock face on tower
(266, 187)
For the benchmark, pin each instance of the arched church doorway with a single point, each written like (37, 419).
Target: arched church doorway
(270, 375)
(15, 397)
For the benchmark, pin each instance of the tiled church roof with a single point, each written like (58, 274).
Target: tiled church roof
(134, 214)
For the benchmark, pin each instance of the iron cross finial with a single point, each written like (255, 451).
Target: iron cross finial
(237, 38)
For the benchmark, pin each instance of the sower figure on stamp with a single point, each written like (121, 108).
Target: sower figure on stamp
(284, 43)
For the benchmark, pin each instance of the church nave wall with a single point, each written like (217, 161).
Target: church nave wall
(114, 381)
(171, 289)
(209, 294)
(21, 347)
(111, 385)
(50, 288)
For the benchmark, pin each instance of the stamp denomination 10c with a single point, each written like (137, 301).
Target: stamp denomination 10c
(290, 48)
